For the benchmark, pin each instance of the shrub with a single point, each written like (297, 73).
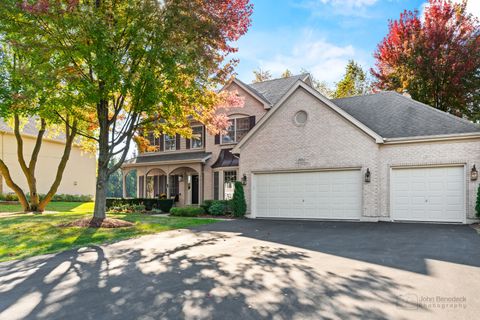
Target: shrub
(150, 204)
(8, 197)
(238, 203)
(187, 211)
(477, 207)
(206, 205)
(217, 208)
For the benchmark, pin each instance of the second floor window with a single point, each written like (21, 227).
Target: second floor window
(170, 143)
(238, 128)
(153, 140)
(197, 137)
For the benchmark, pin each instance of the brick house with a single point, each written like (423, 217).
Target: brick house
(379, 157)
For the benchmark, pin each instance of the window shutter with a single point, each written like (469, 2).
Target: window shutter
(177, 141)
(187, 145)
(217, 139)
(204, 137)
(216, 185)
(252, 121)
(162, 143)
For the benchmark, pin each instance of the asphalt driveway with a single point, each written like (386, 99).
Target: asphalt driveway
(253, 269)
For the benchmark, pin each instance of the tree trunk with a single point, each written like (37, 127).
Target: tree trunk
(18, 191)
(101, 194)
(103, 160)
(70, 137)
(29, 171)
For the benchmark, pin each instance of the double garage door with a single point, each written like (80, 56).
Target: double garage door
(416, 194)
(309, 195)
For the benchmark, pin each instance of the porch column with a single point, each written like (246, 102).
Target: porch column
(145, 178)
(168, 185)
(200, 185)
(124, 183)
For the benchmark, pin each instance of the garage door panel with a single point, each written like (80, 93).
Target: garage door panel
(428, 194)
(327, 194)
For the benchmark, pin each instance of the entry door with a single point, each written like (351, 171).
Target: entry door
(309, 195)
(428, 194)
(195, 189)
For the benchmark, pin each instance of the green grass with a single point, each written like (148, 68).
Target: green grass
(23, 236)
(78, 207)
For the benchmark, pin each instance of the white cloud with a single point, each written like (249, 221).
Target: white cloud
(296, 51)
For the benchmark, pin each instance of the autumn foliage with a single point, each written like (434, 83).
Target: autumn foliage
(436, 58)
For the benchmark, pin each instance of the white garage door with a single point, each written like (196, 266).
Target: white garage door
(309, 195)
(428, 194)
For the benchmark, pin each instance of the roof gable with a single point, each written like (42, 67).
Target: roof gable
(302, 85)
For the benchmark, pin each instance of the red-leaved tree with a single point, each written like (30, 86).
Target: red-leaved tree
(437, 58)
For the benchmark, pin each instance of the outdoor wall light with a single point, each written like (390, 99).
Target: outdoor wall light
(244, 179)
(474, 173)
(180, 178)
(368, 175)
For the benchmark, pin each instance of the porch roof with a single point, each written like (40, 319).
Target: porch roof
(183, 157)
(226, 159)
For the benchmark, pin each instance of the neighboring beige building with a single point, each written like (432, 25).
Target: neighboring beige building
(79, 175)
(380, 157)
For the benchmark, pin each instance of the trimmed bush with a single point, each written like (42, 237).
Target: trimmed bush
(217, 208)
(187, 211)
(150, 204)
(206, 205)
(238, 203)
(8, 197)
(477, 207)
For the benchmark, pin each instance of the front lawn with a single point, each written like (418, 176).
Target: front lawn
(23, 236)
(78, 207)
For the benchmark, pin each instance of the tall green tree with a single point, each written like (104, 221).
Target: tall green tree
(353, 83)
(135, 64)
(436, 59)
(29, 93)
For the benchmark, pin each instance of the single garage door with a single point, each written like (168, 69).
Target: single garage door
(309, 195)
(428, 194)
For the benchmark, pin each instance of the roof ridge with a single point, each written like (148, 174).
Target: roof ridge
(280, 78)
(426, 106)
(365, 95)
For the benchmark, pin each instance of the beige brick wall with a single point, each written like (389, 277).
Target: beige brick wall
(252, 107)
(327, 140)
(463, 152)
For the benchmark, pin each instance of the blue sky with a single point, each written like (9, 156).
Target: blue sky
(318, 35)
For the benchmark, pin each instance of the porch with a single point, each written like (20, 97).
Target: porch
(179, 180)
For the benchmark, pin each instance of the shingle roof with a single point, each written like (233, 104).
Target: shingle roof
(31, 127)
(392, 115)
(193, 156)
(273, 90)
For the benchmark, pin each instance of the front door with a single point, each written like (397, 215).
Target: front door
(195, 189)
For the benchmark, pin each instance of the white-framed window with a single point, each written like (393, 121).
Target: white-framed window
(197, 137)
(229, 178)
(238, 128)
(170, 142)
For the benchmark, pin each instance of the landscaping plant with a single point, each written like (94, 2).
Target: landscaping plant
(238, 203)
(217, 208)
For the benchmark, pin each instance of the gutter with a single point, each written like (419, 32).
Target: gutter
(443, 137)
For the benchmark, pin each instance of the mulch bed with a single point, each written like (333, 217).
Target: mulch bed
(98, 223)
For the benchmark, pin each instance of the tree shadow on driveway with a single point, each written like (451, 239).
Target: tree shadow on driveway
(199, 279)
(404, 246)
